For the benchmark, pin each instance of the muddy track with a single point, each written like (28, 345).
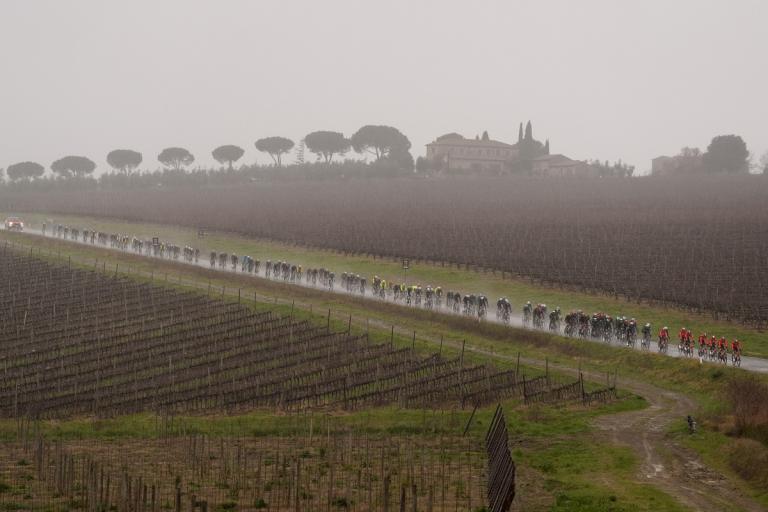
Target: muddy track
(667, 465)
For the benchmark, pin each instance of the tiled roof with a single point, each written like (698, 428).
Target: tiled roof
(556, 160)
(471, 143)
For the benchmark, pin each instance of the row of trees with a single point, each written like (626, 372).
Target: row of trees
(385, 143)
(726, 154)
(617, 169)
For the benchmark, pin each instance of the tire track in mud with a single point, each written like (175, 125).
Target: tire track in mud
(669, 466)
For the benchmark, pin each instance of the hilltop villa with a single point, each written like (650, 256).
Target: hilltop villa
(454, 154)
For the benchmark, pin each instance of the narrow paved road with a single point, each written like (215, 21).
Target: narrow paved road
(754, 364)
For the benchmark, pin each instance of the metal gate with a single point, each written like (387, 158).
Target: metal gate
(501, 467)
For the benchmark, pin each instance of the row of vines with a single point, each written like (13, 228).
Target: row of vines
(327, 471)
(81, 342)
(700, 244)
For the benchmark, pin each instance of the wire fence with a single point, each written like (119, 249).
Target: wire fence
(531, 389)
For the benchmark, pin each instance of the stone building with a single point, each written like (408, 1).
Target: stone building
(561, 165)
(453, 153)
(689, 161)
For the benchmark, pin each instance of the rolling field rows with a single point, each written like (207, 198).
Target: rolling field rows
(640, 241)
(324, 471)
(442, 302)
(79, 342)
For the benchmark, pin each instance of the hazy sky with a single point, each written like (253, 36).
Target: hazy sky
(601, 79)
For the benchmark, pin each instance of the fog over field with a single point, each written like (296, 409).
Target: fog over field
(600, 79)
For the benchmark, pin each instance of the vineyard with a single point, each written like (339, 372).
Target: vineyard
(79, 342)
(327, 471)
(642, 239)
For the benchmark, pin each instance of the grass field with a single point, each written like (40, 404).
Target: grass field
(449, 277)
(562, 464)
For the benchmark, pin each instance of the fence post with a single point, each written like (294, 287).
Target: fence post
(525, 392)
(461, 373)
(386, 494)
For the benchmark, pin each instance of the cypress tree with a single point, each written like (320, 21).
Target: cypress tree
(520, 133)
(485, 136)
(528, 131)
(546, 147)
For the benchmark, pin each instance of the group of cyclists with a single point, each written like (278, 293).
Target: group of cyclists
(625, 330)
(709, 346)
(576, 323)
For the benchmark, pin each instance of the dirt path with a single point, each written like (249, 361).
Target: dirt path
(666, 464)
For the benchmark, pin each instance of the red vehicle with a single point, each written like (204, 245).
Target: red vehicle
(14, 224)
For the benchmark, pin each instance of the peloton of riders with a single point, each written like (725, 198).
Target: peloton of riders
(710, 347)
(574, 323)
